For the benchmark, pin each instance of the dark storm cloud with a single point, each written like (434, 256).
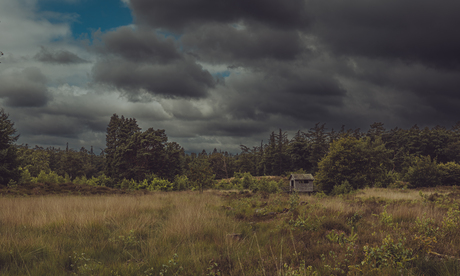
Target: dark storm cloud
(58, 57)
(412, 92)
(412, 30)
(138, 61)
(301, 95)
(178, 14)
(183, 78)
(26, 88)
(219, 43)
(140, 46)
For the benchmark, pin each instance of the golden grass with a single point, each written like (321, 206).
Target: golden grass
(390, 194)
(132, 234)
(164, 223)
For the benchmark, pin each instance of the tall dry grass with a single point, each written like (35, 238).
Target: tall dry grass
(113, 230)
(235, 234)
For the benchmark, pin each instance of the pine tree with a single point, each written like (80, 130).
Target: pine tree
(9, 164)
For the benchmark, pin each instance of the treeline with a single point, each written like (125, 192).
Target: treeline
(342, 159)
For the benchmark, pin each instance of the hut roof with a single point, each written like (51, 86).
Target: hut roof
(305, 176)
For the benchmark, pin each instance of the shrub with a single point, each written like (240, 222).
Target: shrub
(180, 182)
(390, 254)
(25, 176)
(268, 186)
(449, 173)
(158, 184)
(423, 172)
(344, 188)
(361, 162)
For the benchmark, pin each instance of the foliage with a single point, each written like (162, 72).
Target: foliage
(344, 188)
(50, 177)
(449, 173)
(180, 182)
(200, 174)
(158, 184)
(386, 218)
(133, 154)
(389, 254)
(83, 265)
(360, 162)
(423, 172)
(9, 163)
(426, 226)
(451, 222)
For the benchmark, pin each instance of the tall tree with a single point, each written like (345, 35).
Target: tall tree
(360, 162)
(299, 152)
(319, 144)
(281, 155)
(200, 174)
(9, 164)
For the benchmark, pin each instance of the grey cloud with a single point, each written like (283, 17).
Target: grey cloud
(58, 57)
(183, 78)
(26, 88)
(298, 92)
(139, 46)
(178, 14)
(138, 62)
(219, 43)
(413, 31)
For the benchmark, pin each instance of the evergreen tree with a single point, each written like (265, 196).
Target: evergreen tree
(299, 153)
(9, 164)
(318, 141)
(269, 158)
(281, 155)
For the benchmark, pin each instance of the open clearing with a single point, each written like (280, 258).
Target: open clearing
(371, 232)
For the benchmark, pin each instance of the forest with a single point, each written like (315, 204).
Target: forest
(341, 160)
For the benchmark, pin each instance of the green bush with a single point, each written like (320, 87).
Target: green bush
(361, 162)
(449, 173)
(43, 177)
(423, 172)
(268, 186)
(158, 184)
(344, 188)
(180, 182)
(25, 176)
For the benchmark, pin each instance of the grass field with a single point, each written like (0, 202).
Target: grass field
(371, 232)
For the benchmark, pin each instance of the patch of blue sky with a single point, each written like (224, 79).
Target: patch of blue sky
(222, 74)
(86, 16)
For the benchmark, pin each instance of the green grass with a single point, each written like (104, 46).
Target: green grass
(371, 232)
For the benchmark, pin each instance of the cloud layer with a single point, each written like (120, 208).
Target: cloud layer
(225, 73)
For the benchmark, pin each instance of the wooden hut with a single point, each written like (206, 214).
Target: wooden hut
(302, 183)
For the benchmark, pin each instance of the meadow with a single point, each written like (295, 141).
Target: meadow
(370, 232)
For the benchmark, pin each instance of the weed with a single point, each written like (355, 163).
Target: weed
(389, 254)
(426, 226)
(301, 271)
(354, 219)
(213, 269)
(451, 222)
(128, 241)
(386, 218)
(294, 201)
(83, 265)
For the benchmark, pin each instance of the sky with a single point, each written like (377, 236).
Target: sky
(218, 74)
